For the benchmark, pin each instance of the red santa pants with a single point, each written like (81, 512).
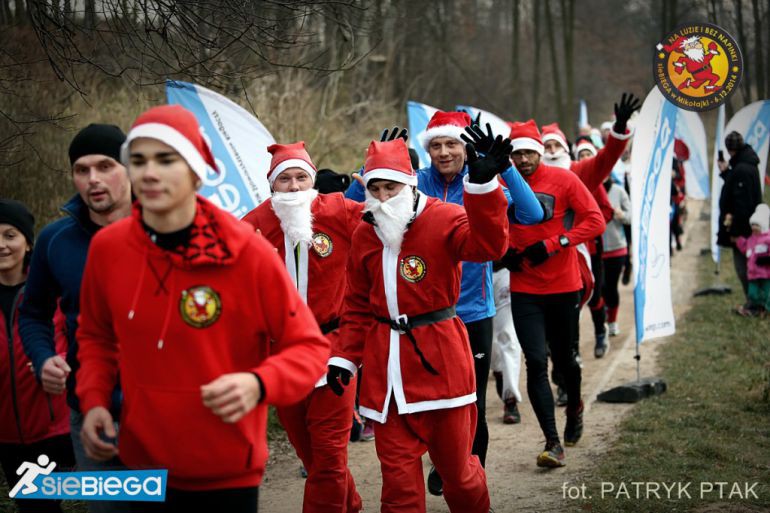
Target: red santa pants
(319, 429)
(447, 436)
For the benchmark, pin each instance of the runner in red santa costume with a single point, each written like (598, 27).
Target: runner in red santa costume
(197, 313)
(312, 234)
(399, 321)
(546, 282)
(593, 169)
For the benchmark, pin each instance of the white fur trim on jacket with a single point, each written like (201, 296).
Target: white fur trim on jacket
(480, 188)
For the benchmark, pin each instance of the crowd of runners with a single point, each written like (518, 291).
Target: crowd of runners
(147, 328)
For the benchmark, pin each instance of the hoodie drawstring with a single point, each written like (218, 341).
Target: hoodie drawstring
(139, 284)
(138, 290)
(167, 317)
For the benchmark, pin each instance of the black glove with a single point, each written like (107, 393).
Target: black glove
(512, 260)
(475, 135)
(536, 253)
(623, 110)
(497, 160)
(334, 376)
(394, 134)
(764, 260)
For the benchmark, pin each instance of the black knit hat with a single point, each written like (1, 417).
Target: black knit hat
(16, 214)
(97, 139)
(734, 141)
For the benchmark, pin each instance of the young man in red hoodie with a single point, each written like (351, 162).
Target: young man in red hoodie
(399, 321)
(312, 234)
(546, 282)
(197, 313)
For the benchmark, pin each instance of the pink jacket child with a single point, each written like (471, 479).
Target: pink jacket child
(757, 245)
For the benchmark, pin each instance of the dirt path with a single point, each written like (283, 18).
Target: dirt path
(515, 483)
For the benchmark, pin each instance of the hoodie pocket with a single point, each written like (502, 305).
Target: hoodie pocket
(172, 429)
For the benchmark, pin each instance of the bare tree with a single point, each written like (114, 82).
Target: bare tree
(743, 43)
(759, 72)
(555, 71)
(568, 40)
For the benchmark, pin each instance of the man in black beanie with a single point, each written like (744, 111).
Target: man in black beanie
(741, 193)
(103, 197)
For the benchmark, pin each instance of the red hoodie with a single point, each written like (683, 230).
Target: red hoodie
(570, 210)
(173, 321)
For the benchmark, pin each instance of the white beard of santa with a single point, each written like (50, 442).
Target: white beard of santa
(391, 217)
(695, 54)
(293, 209)
(558, 159)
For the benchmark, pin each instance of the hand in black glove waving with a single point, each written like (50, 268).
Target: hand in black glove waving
(394, 134)
(623, 110)
(337, 375)
(497, 160)
(475, 135)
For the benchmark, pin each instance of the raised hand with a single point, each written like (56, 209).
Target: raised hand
(623, 110)
(475, 135)
(394, 134)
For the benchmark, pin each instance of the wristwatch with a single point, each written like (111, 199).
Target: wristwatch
(563, 241)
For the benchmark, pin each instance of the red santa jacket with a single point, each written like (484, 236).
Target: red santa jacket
(321, 273)
(27, 413)
(171, 321)
(570, 210)
(423, 277)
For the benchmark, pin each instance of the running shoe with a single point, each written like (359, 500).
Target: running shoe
(511, 413)
(574, 429)
(435, 483)
(613, 329)
(552, 456)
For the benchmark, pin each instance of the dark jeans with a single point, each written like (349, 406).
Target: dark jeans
(540, 320)
(480, 338)
(613, 267)
(739, 260)
(231, 500)
(598, 314)
(57, 448)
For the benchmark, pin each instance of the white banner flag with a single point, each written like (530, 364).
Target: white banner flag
(716, 180)
(498, 125)
(239, 143)
(418, 114)
(753, 123)
(689, 129)
(651, 159)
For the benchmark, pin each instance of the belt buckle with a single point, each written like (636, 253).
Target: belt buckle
(403, 322)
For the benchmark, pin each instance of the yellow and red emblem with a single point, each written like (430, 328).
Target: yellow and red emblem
(200, 306)
(412, 268)
(697, 66)
(322, 244)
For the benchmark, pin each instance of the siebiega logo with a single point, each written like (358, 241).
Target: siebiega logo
(38, 482)
(698, 66)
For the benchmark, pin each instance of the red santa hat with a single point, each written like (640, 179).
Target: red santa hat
(286, 156)
(389, 160)
(445, 124)
(177, 127)
(552, 132)
(585, 144)
(526, 136)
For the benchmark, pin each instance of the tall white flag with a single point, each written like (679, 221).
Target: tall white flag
(651, 159)
(753, 123)
(716, 181)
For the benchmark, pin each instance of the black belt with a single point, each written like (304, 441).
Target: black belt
(406, 324)
(330, 326)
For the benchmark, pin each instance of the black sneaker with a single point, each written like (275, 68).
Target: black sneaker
(511, 413)
(435, 484)
(552, 456)
(601, 348)
(574, 429)
(561, 397)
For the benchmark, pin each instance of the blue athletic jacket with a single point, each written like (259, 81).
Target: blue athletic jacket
(477, 300)
(55, 273)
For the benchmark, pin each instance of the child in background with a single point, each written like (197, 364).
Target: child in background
(756, 247)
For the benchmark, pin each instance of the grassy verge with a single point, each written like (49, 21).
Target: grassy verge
(711, 426)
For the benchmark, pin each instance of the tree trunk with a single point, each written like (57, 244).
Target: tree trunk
(515, 54)
(20, 12)
(759, 71)
(5, 13)
(555, 71)
(536, 69)
(663, 19)
(746, 82)
(90, 14)
(568, 30)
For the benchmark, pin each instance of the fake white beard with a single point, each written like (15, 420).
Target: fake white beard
(293, 209)
(392, 216)
(695, 54)
(558, 159)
